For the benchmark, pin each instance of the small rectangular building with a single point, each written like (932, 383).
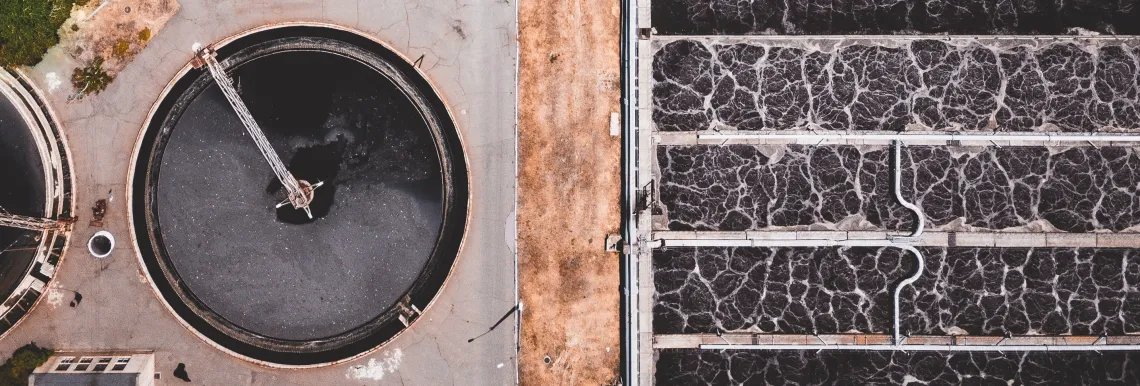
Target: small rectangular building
(91, 368)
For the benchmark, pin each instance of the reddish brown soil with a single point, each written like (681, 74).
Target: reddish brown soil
(569, 191)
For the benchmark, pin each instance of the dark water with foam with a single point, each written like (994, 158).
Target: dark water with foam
(801, 368)
(744, 187)
(842, 290)
(916, 85)
(874, 17)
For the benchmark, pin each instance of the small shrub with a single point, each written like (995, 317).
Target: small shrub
(25, 359)
(91, 79)
(144, 35)
(121, 48)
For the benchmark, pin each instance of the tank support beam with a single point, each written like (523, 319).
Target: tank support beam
(34, 223)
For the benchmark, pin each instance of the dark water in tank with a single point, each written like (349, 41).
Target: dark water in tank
(376, 218)
(843, 290)
(21, 192)
(978, 85)
(868, 17)
(21, 173)
(1076, 189)
(296, 101)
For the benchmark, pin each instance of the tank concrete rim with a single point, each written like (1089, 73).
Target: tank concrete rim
(55, 154)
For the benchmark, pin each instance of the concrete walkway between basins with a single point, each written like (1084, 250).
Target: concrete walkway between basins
(468, 54)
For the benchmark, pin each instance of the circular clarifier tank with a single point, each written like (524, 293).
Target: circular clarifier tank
(35, 181)
(23, 192)
(270, 284)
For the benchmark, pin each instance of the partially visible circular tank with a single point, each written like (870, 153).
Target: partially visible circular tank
(35, 180)
(270, 284)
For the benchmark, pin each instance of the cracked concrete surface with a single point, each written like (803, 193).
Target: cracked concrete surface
(468, 51)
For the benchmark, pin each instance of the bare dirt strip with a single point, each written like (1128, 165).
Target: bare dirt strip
(569, 191)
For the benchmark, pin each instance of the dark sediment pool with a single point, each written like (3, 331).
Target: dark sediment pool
(272, 283)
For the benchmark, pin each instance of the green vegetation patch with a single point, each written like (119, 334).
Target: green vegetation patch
(25, 359)
(121, 48)
(28, 28)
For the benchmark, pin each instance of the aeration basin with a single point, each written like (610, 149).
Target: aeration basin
(269, 284)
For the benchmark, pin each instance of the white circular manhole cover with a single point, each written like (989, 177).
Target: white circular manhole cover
(101, 244)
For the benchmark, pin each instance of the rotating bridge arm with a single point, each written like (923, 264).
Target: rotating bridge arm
(300, 193)
(33, 223)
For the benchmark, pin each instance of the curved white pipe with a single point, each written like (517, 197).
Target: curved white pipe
(908, 281)
(899, 196)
